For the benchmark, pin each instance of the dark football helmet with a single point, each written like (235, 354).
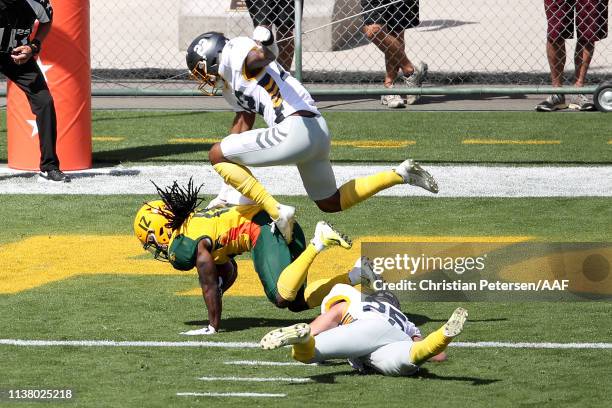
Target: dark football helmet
(384, 296)
(203, 58)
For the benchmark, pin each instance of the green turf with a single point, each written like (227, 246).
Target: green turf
(438, 135)
(551, 219)
(121, 307)
(145, 308)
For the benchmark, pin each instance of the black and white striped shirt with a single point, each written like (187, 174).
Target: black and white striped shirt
(17, 19)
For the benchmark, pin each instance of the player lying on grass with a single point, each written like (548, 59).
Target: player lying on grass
(252, 82)
(173, 228)
(372, 333)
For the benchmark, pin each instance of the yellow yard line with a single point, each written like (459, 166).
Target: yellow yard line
(107, 138)
(509, 142)
(362, 144)
(61, 257)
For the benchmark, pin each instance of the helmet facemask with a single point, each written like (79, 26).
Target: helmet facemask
(207, 82)
(152, 228)
(159, 251)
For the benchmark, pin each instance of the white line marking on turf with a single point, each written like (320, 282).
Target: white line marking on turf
(252, 345)
(454, 181)
(496, 344)
(229, 394)
(266, 363)
(257, 379)
(111, 343)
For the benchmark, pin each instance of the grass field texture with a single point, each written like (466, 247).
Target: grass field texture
(72, 270)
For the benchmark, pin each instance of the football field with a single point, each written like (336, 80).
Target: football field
(84, 308)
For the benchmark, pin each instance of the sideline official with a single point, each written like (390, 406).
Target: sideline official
(17, 62)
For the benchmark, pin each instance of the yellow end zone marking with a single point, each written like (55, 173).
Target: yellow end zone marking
(336, 261)
(362, 144)
(510, 142)
(107, 138)
(39, 260)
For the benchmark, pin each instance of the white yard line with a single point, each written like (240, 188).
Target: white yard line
(257, 379)
(253, 345)
(111, 343)
(521, 345)
(454, 181)
(230, 394)
(266, 363)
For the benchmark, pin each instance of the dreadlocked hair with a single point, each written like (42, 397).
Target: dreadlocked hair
(180, 201)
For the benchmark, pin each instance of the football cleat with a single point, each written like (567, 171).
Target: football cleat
(298, 333)
(412, 173)
(285, 221)
(368, 276)
(326, 236)
(454, 326)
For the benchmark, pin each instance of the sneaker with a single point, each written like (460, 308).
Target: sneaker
(54, 176)
(368, 276)
(285, 221)
(454, 326)
(582, 102)
(392, 101)
(326, 236)
(415, 81)
(412, 173)
(298, 333)
(552, 103)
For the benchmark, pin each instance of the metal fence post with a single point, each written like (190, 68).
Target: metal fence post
(298, 39)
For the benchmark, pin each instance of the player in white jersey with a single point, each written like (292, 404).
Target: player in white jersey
(371, 332)
(252, 82)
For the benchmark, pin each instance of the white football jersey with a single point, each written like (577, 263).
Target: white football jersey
(273, 92)
(368, 309)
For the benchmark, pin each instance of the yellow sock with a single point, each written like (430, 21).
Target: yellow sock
(243, 180)
(357, 190)
(294, 275)
(304, 352)
(317, 290)
(431, 345)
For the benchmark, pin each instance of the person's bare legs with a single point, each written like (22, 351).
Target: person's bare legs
(393, 48)
(582, 59)
(556, 54)
(285, 48)
(555, 51)
(403, 62)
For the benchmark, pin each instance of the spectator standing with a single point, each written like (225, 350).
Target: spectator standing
(281, 15)
(385, 27)
(589, 18)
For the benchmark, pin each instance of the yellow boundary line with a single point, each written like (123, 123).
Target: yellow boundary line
(509, 142)
(362, 144)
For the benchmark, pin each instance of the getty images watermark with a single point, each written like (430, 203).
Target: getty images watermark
(493, 271)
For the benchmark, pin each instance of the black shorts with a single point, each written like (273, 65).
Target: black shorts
(280, 13)
(396, 17)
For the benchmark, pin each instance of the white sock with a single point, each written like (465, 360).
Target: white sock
(355, 273)
(317, 244)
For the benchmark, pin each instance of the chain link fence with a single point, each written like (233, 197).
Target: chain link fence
(141, 43)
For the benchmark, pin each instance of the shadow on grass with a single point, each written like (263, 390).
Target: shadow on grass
(233, 324)
(143, 115)
(424, 373)
(419, 320)
(140, 153)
